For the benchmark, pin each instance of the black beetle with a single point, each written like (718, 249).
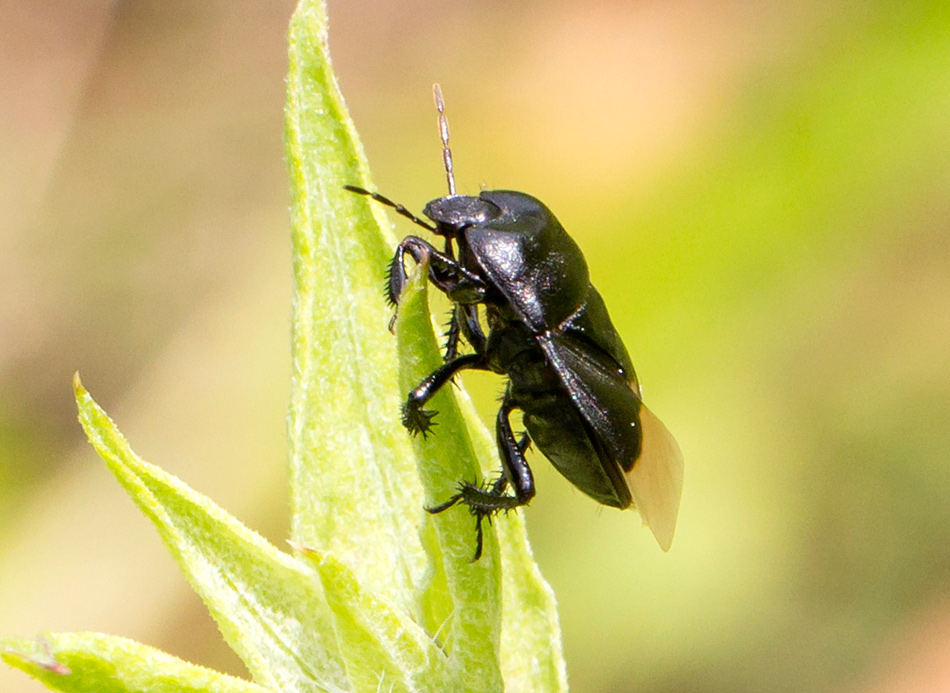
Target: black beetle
(548, 330)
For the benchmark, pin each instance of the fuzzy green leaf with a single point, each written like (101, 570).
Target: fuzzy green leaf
(531, 655)
(464, 597)
(96, 663)
(403, 656)
(355, 491)
(268, 607)
(362, 503)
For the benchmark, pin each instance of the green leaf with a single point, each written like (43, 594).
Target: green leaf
(470, 603)
(353, 477)
(531, 655)
(96, 663)
(499, 614)
(403, 655)
(268, 607)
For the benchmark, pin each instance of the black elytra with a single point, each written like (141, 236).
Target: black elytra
(547, 329)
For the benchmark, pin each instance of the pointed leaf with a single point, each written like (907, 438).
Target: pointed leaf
(468, 594)
(403, 655)
(531, 653)
(96, 663)
(268, 607)
(353, 478)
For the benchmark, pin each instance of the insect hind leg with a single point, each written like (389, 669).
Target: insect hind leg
(485, 501)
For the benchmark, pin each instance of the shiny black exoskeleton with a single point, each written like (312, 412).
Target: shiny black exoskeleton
(546, 329)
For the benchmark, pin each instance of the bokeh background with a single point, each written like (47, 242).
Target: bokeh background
(762, 190)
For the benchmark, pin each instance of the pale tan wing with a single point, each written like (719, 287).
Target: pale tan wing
(628, 433)
(656, 480)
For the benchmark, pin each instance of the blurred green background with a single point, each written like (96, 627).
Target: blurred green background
(762, 191)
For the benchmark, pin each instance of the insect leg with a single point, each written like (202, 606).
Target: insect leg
(448, 276)
(524, 443)
(472, 329)
(464, 321)
(452, 333)
(514, 465)
(419, 420)
(483, 502)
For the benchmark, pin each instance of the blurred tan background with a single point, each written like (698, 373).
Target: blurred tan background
(762, 191)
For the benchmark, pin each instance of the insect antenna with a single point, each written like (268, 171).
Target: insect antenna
(382, 199)
(444, 135)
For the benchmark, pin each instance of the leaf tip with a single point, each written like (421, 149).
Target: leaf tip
(301, 549)
(35, 655)
(77, 386)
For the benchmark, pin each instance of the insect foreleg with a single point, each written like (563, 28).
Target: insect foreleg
(452, 279)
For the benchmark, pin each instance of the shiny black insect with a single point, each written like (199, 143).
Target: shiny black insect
(549, 332)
